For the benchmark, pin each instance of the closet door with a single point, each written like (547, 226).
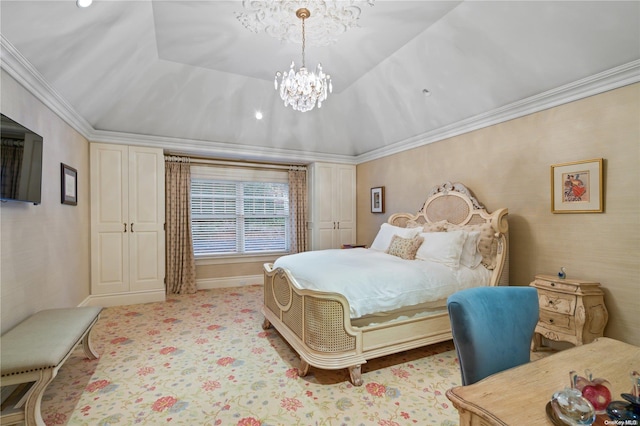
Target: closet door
(332, 198)
(109, 219)
(127, 222)
(146, 219)
(344, 205)
(323, 212)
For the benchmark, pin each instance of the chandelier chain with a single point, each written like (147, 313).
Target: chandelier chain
(303, 42)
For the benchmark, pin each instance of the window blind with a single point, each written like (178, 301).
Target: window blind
(235, 217)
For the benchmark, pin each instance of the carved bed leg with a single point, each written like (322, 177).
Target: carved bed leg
(304, 368)
(355, 372)
(266, 324)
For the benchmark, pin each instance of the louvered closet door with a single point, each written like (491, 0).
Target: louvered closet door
(146, 219)
(109, 219)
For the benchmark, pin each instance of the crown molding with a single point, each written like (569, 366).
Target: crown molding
(18, 67)
(614, 78)
(224, 150)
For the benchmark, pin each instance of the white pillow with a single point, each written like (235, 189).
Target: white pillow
(386, 233)
(442, 247)
(470, 256)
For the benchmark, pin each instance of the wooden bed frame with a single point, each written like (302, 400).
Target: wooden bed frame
(317, 324)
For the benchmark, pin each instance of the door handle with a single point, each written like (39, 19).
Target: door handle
(131, 226)
(125, 227)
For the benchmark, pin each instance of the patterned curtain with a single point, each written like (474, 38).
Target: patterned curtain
(180, 261)
(298, 209)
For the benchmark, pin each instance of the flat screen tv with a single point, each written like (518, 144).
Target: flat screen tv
(21, 168)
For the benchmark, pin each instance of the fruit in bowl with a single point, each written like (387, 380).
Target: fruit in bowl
(597, 391)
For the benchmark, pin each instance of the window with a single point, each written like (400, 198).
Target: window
(239, 217)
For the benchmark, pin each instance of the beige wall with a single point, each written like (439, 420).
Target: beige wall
(508, 165)
(44, 248)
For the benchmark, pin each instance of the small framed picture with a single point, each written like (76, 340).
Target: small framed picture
(69, 184)
(577, 187)
(377, 199)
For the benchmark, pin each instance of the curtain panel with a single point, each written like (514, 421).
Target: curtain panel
(180, 260)
(298, 207)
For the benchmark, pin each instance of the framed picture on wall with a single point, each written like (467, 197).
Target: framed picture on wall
(577, 187)
(69, 185)
(377, 199)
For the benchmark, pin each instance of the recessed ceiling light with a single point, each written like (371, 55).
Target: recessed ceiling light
(83, 3)
(258, 115)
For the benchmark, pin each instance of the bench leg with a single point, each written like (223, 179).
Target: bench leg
(32, 413)
(88, 348)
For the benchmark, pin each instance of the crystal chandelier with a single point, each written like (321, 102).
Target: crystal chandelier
(303, 89)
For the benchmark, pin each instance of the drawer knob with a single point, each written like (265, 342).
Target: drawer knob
(551, 320)
(553, 284)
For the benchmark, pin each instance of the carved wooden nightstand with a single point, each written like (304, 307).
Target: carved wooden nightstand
(570, 310)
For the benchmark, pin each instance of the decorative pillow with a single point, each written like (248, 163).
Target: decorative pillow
(442, 247)
(487, 244)
(470, 256)
(405, 248)
(414, 224)
(435, 226)
(386, 233)
(428, 227)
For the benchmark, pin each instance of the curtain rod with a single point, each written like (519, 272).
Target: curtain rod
(200, 160)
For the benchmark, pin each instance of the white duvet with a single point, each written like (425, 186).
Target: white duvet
(374, 281)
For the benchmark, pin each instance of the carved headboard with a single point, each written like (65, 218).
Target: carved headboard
(453, 206)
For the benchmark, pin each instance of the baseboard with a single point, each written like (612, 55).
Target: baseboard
(119, 299)
(159, 296)
(239, 281)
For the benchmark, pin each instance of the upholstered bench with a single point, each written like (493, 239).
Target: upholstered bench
(34, 350)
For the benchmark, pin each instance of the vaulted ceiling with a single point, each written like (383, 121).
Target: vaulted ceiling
(189, 76)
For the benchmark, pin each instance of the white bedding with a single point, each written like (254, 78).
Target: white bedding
(373, 281)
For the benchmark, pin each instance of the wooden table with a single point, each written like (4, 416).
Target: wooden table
(518, 396)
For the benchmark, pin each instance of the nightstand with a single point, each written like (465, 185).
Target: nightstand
(570, 310)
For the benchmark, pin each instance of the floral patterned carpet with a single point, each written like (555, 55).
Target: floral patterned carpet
(204, 359)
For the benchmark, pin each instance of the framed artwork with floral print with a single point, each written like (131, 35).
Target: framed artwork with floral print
(577, 187)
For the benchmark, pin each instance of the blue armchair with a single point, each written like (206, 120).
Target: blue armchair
(492, 328)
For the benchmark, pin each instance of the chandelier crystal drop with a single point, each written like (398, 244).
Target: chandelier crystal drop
(302, 89)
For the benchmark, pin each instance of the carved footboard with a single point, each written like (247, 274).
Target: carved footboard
(316, 324)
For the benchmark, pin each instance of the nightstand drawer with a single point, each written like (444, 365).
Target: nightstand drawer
(556, 321)
(557, 302)
(555, 285)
